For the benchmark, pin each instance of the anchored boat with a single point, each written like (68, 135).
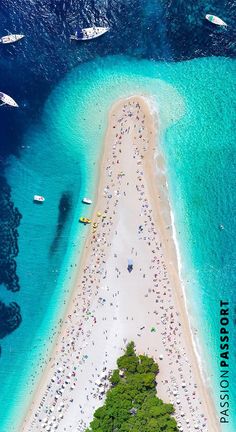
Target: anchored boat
(215, 20)
(7, 100)
(85, 220)
(39, 198)
(87, 201)
(89, 33)
(11, 38)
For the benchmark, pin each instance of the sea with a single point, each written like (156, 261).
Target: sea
(51, 145)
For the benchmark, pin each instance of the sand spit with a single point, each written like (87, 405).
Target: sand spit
(110, 305)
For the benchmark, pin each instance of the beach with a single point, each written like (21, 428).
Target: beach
(127, 288)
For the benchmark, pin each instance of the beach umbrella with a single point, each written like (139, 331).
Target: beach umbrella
(161, 357)
(178, 401)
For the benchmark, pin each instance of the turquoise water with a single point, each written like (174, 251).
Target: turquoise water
(60, 157)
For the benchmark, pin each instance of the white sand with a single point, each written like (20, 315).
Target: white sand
(111, 306)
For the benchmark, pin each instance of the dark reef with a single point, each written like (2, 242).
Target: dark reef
(64, 209)
(10, 318)
(9, 221)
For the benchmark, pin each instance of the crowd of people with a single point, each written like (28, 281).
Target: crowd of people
(112, 305)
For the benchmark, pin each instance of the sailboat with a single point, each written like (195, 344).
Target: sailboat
(89, 33)
(11, 38)
(7, 100)
(215, 20)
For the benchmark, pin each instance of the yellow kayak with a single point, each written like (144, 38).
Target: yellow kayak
(85, 220)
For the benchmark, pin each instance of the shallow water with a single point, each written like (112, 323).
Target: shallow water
(57, 149)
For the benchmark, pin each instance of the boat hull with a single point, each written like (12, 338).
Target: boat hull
(11, 38)
(85, 221)
(86, 201)
(38, 199)
(215, 20)
(7, 100)
(90, 33)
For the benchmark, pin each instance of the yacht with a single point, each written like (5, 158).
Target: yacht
(11, 38)
(39, 198)
(7, 100)
(87, 201)
(89, 33)
(215, 20)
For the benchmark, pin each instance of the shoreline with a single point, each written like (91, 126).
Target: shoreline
(79, 260)
(178, 282)
(198, 352)
(195, 341)
(162, 217)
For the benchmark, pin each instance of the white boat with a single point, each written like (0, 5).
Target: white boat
(87, 201)
(39, 198)
(11, 38)
(215, 20)
(7, 100)
(89, 33)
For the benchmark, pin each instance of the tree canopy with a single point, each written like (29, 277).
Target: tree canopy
(131, 404)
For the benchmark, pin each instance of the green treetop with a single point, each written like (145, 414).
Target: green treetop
(131, 404)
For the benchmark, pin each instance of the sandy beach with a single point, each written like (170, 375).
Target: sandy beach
(110, 305)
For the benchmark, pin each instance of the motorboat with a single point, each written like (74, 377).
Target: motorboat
(85, 220)
(89, 33)
(215, 20)
(87, 201)
(11, 38)
(39, 198)
(7, 100)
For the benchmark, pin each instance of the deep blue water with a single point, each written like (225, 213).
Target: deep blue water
(169, 31)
